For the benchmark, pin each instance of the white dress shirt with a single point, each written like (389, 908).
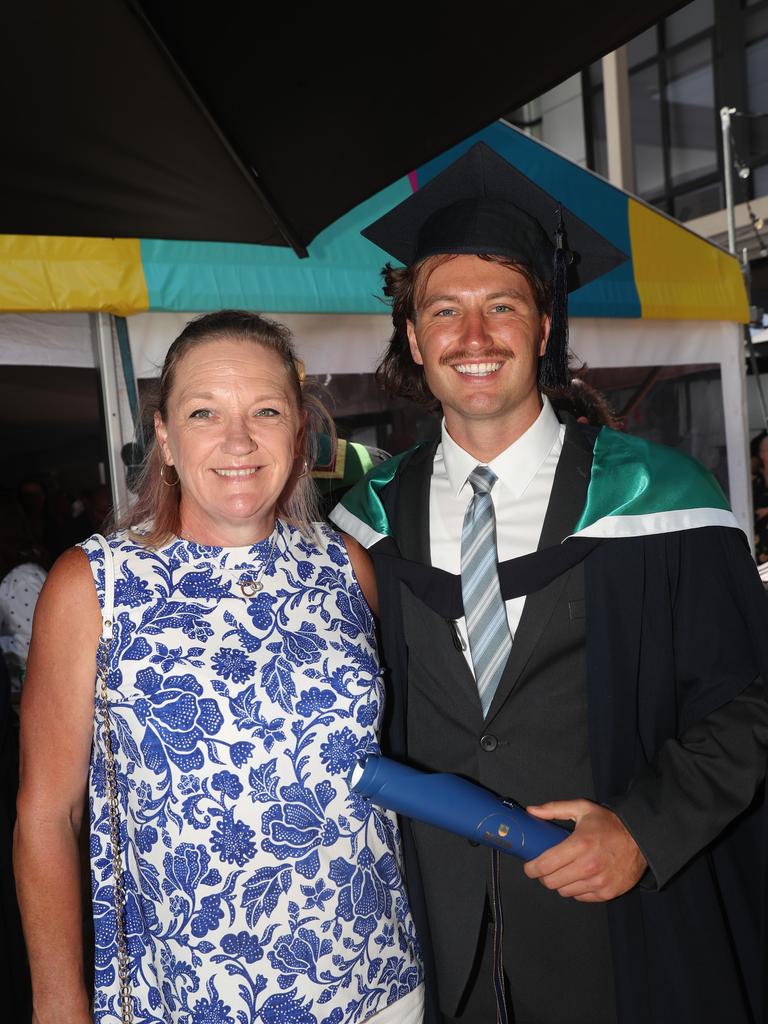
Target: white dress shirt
(525, 471)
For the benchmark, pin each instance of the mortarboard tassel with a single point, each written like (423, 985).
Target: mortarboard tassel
(554, 371)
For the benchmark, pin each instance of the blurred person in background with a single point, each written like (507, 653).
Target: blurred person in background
(91, 513)
(759, 453)
(23, 564)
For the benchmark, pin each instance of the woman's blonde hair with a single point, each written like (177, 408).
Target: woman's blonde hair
(157, 503)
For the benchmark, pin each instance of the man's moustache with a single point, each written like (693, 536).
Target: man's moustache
(486, 356)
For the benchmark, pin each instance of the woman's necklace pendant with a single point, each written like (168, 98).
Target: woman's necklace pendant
(250, 587)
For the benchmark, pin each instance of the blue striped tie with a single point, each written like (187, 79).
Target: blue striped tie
(487, 627)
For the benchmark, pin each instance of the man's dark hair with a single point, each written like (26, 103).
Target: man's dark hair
(405, 286)
(585, 403)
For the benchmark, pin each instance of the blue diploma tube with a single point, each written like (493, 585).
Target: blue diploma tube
(455, 805)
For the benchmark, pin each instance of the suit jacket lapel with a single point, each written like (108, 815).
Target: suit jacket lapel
(569, 491)
(411, 520)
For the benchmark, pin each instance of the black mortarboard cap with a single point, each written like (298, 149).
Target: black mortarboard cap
(481, 204)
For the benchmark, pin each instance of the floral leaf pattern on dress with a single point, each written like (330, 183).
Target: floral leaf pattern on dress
(259, 889)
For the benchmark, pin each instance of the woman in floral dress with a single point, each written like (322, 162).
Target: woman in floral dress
(243, 685)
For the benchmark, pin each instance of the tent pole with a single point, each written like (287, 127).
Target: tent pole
(104, 350)
(725, 124)
(734, 388)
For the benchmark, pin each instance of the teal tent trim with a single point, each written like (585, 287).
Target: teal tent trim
(341, 276)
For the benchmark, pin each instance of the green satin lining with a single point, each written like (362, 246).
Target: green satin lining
(635, 477)
(363, 499)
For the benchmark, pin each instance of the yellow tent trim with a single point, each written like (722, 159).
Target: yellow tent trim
(43, 273)
(680, 276)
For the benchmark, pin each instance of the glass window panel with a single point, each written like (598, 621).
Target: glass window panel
(757, 76)
(687, 22)
(698, 202)
(757, 24)
(690, 94)
(599, 146)
(757, 98)
(760, 180)
(642, 47)
(645, 111)
(660, 202)
(690, 59)
(758, 140)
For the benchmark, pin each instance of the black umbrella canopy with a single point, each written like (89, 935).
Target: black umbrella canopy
(169, 119)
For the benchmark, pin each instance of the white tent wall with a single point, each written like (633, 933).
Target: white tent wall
(353, 344)
(46, 339)
(348, 343)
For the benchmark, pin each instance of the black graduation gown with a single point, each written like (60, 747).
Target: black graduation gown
(677, 625)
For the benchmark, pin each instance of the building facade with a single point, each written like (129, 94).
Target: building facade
(647, 117)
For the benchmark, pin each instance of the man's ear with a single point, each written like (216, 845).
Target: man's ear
(414, 345)
(546, 324)
(161, 433)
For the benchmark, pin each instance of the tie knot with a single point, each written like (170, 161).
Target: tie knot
(482, 479)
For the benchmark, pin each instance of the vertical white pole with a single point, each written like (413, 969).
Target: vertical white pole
(618, 123)
(733, 383)
(725, 124)
(104, 350)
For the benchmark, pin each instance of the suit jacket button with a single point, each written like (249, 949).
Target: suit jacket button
(488, 742)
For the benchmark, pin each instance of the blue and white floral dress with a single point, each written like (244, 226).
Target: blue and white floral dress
(258, 888)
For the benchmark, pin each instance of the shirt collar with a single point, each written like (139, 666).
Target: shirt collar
(517, 465)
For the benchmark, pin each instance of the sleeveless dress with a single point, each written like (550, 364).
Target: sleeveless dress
(259, 889)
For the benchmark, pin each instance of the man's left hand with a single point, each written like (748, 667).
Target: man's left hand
(599, 860)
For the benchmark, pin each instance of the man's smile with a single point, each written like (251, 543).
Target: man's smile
(477, 369)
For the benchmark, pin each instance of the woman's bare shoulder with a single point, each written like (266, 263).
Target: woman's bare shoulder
(70, 585)
(58, 694)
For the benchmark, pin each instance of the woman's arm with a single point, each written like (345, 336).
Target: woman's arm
(56, 730)
(363, 569)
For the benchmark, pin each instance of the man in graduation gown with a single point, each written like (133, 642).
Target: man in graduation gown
(607, 673)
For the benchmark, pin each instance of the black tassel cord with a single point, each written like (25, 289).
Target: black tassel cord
(554, 371)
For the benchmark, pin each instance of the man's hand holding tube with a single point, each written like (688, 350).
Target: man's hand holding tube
(599, 860)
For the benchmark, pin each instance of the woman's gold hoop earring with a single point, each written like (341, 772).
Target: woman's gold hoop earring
(305, 470)
(162, 476)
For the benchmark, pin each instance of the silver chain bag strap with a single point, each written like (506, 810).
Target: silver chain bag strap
(113, 799)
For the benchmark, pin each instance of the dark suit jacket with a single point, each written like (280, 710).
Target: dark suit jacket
(552, 734)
